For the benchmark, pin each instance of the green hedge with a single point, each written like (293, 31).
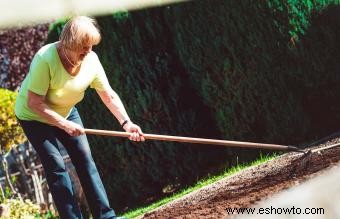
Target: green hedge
(240, 70)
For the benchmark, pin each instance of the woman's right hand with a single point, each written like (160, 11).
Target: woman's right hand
(72, 128)
(37, 104)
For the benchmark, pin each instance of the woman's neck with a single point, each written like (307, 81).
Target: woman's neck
(68, 59)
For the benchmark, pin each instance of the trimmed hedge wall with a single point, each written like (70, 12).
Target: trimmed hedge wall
(239, 70)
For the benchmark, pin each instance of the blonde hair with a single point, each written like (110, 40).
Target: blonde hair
(80, 31)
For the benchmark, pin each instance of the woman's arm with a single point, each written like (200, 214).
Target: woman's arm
(112, 101)
(37, 104)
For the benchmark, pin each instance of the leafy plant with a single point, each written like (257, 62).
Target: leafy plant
(10, 131)
(17, 209)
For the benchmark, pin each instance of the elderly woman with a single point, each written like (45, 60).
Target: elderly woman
(45, 107)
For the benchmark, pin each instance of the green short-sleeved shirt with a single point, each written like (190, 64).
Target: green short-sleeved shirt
(48, 77)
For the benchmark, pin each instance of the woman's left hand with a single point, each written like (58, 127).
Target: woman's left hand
(135, 131)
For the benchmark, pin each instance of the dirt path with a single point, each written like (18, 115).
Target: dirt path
(251, 185)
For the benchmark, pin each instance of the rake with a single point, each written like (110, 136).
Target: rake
(225, 143)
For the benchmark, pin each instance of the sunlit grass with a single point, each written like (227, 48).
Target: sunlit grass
(204, 182)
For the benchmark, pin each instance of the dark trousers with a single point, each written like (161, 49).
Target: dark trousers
(45, 140)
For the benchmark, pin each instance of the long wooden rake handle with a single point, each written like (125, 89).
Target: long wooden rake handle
(195, 140)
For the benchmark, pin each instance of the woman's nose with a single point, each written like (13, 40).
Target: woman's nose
(88, 49)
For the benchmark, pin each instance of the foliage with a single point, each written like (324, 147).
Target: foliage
(7, 192)
(18, 209)
(55, 30)
(10, 131)
(121, 15)
(218, 69)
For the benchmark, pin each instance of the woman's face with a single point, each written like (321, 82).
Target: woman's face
(84, 51)
(80, 54)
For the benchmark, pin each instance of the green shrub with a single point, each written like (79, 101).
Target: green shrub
(17, 209)
(10, 131)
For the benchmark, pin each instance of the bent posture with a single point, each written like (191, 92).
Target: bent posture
(45, 107)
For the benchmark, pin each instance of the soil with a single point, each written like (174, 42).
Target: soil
(253, 184)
